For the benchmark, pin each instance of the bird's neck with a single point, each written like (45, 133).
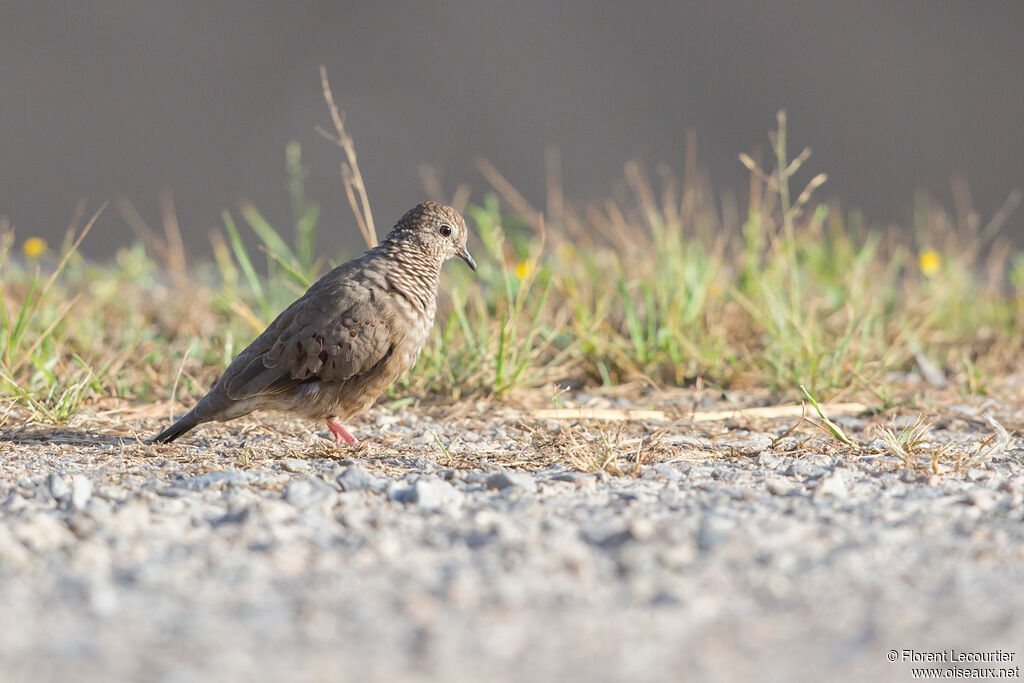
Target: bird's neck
(414, 272)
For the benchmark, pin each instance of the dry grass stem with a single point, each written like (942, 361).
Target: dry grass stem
(351, 175)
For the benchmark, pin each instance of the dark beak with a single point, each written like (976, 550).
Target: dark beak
(464, 254)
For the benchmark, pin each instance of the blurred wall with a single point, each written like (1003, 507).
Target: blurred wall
(114, 97)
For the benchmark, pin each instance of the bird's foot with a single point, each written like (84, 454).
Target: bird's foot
(341, 435)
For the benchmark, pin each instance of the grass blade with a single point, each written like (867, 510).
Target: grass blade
(833, 429)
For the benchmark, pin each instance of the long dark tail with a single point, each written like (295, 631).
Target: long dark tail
(182, 426)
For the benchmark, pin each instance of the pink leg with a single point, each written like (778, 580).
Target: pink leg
(341, 434)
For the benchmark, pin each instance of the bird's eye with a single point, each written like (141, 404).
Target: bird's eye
(445, 230)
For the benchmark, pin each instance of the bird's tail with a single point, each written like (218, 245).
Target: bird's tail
(182, 426)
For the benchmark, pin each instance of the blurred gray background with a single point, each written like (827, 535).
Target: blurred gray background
(109, 97)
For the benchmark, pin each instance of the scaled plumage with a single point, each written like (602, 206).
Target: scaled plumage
(360, 327)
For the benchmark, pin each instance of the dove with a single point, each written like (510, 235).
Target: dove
(356, 330)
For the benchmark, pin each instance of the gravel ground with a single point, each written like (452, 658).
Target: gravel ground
(727, 553)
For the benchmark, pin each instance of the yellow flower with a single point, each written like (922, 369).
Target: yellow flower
(34, 247)
(525, 269)
(930, 261)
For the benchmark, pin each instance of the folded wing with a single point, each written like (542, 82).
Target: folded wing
(314, 343)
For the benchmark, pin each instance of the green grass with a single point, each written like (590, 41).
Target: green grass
(666, 283)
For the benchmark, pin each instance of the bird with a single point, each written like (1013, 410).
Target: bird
(356, 330)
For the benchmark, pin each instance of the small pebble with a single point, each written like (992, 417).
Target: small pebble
(981, 498)
(58, 486)
(355, 478)
(510, 479)
(835, 484)
(806, 470)
(209, 480)
(666, 471)
(780, 487)
(432, 493)
(81, 492)
(713, 532)
(579, 479)
(308, 492)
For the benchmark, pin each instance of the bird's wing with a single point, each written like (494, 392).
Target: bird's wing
(314, 340)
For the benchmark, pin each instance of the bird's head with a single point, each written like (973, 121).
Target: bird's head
(438, 229)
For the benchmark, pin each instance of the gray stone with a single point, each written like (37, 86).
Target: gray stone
(99, 509)
(173, 492)
(294, 465)
(476, 477)
(666, 471)
(81, 525)
(58, 487)
(835, 484)
(15, 502)
(806, 470)
(510, 479)
(12, 551)
(579, 479)
(81, 492)
(397, 491)
(115, 494)
(982, 499)
(432, 493)
(355, 478)
(713, 532)
(386, 420)
(210, 480)
(780, 487)
(43, 533)
(309, 492)
(641, 529)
